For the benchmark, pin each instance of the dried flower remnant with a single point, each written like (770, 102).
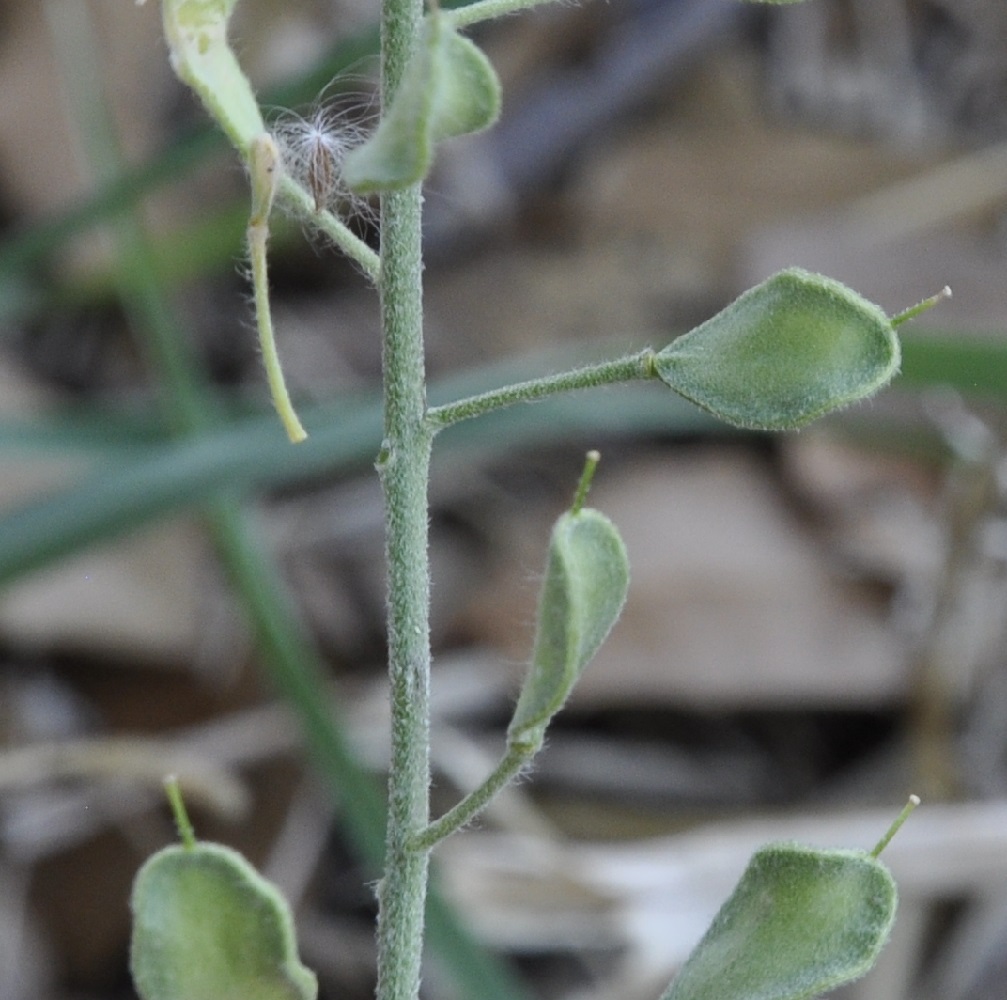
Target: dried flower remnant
(313, 148)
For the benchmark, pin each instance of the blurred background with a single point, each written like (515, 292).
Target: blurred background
(815, 627)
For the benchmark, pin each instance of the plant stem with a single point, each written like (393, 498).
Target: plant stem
(302, 204)
(464, 812)
(914, 801)
(633, 366)
(264, 170)
(591, 461)
(404, 465)
(185, 831)
(921, 307)
(485, 10)
(290, 657)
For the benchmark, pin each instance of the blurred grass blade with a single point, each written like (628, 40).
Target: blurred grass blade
(122, 496)
(973, 365)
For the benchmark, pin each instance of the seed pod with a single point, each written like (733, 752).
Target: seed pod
(585, 585)
(449, 88)
(208, 926)
(784, 353)
(799, 923)
(196, 31)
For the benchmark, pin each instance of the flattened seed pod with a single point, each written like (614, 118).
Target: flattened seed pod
(208, 926)
(784, 353)
(800, 922)
(449, 89)
(587, 576)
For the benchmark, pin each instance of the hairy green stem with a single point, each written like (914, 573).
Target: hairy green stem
(511, 765)
(257, 237)
(921, 307)
(627, 369)
(264, 170)
(182, 822)
(300, 201)
(486, 10)
(591, 461)
(404, 466)
(914, 801)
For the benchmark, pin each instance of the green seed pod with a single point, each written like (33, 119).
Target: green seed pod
(800, 922)
(585, 585)
(208, 926)
(449, 89)
(196, 31)
(784, 353)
